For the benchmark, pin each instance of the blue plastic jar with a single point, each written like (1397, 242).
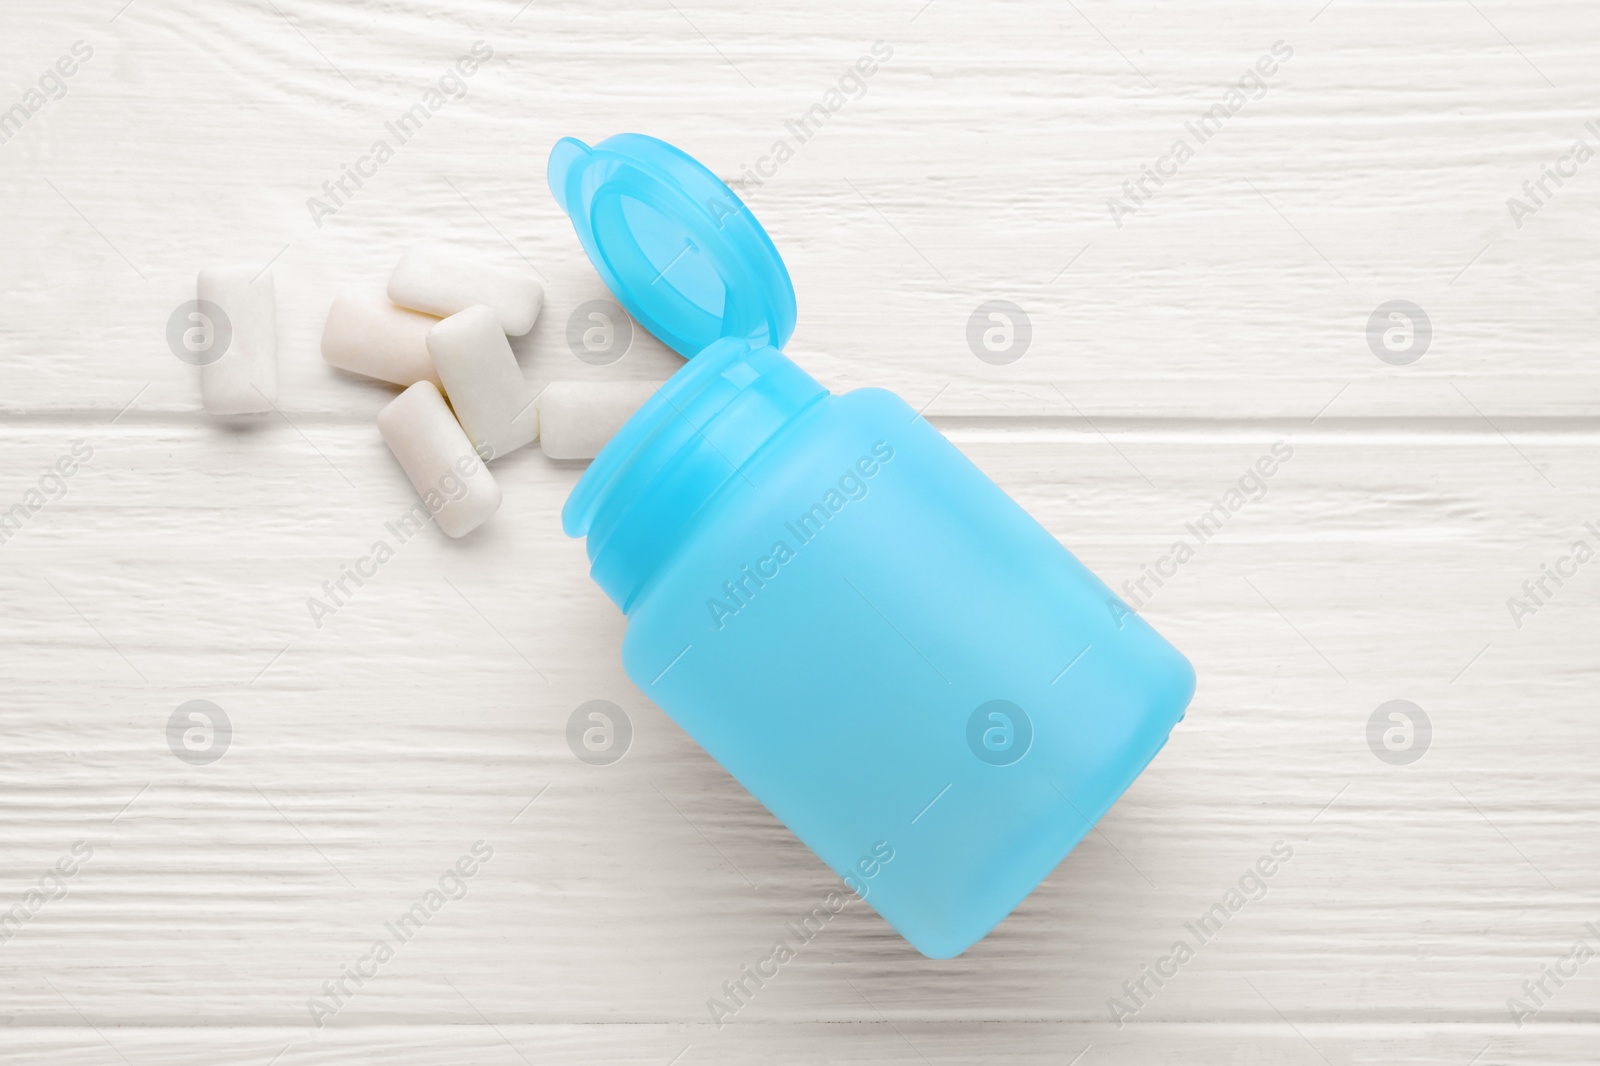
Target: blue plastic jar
(862, 628)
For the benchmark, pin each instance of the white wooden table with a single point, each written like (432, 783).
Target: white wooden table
(1227, 311)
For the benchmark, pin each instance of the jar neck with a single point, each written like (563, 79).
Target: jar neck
(638, 497)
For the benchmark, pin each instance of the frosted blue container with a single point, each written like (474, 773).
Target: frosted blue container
(862, 628)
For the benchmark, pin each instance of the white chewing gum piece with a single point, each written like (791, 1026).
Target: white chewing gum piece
(492, 399)
(442, 281)
(367, 333)
(577, 418)
(455, 486)
(244, 380)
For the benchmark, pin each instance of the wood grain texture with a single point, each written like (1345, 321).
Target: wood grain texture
(428, 713)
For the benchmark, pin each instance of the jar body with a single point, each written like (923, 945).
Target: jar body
(910, 672)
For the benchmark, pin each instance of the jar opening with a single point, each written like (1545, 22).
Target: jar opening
(697, 433)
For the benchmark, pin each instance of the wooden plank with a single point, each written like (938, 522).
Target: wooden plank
(1220, 1044)
(370, 754)
(1241, 288)
(871, 1040)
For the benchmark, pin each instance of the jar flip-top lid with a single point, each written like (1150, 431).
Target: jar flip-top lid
(674, 244)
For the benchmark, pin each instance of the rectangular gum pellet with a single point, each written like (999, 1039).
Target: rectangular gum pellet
(441, 281)
(491, 398)
(244, 380)
(367, 333)
(577, 418)
(455, 486)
